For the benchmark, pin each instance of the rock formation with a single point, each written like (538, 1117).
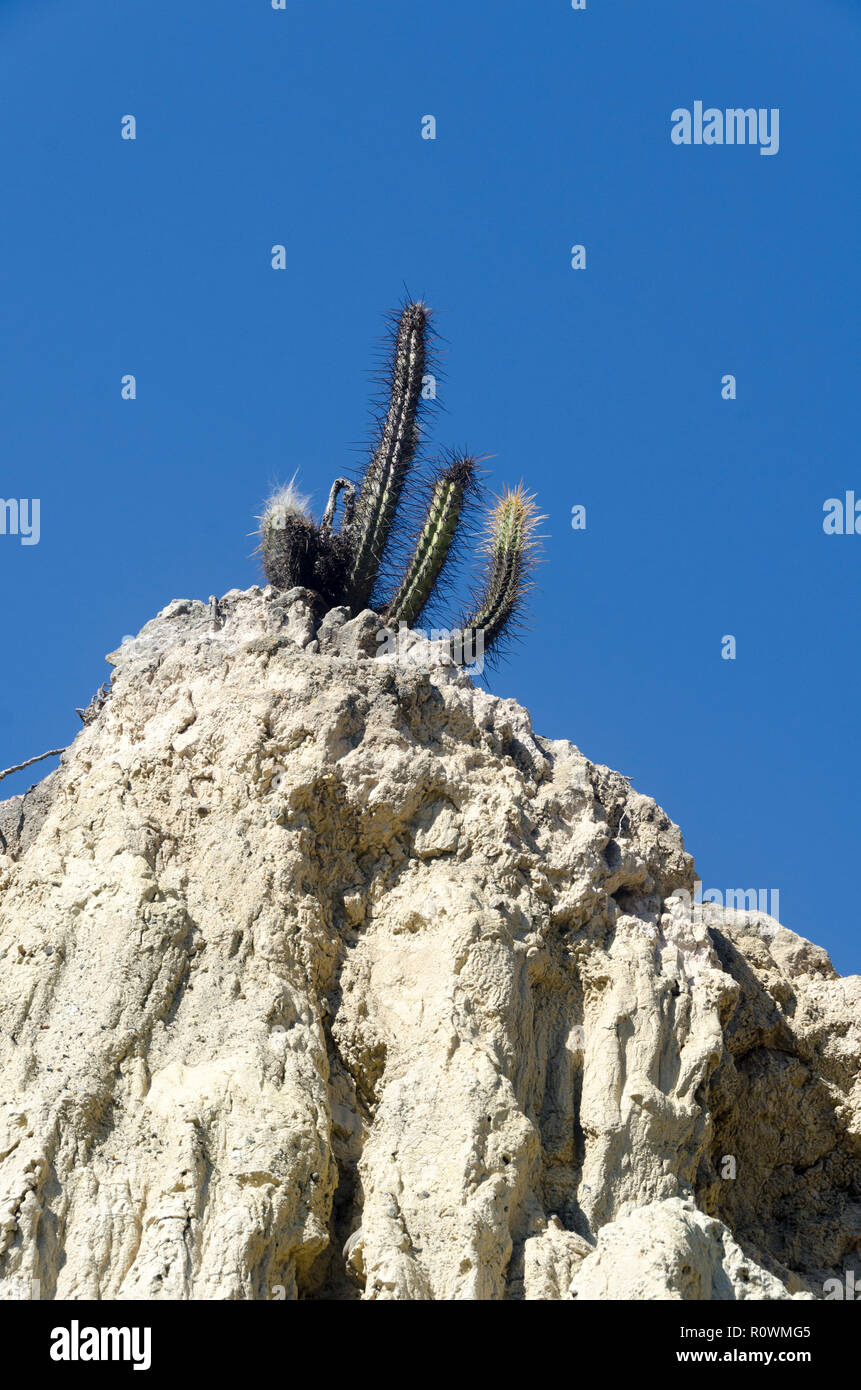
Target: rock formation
(323, 976)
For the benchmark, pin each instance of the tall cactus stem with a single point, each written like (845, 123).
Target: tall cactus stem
(387, 472)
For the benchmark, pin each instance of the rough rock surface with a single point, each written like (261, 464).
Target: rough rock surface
(322, 976)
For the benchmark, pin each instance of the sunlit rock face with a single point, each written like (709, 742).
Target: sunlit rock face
(323, 976)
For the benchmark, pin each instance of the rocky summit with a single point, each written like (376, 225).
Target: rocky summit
(323, 976)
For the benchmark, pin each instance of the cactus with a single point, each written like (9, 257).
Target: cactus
(297, 552)
(288, 537)
(344, 565)
(389, 468)
(511, 550)
(432, 549)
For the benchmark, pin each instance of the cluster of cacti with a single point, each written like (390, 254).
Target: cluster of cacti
(345, 565)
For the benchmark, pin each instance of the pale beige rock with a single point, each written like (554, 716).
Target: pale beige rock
(671, 1250)
(322, 976)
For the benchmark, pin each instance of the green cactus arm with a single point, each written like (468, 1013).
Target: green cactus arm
(383, 483)
(433, 544)
(510, 547)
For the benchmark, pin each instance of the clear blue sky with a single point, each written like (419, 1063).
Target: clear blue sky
(600, 387)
